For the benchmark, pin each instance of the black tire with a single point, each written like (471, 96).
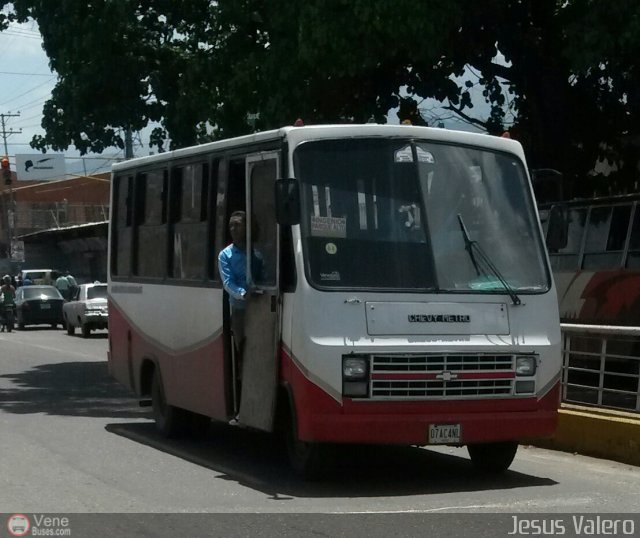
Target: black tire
(310, 461)
(9, 320)
(492, 458)
(71, 330)
(21, 325)
(86, 331)
(170, 420)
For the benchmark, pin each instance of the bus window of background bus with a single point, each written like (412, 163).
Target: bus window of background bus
(189, 202)
(606, 236)
(633, 256)
(151, 229)
(122, 219)
(568, 258)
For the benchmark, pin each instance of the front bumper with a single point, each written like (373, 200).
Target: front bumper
(320, 418)
(96, 319)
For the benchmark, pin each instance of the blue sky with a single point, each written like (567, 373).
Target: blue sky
(25, 84)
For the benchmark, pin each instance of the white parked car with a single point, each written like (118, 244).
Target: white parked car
(87, 309)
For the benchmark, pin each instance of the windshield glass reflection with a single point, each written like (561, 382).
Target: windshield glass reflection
(384, 214)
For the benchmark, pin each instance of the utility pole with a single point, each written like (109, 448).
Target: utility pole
(128, 143)
(10, 214)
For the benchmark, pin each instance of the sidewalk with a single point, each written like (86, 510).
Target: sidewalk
(603, 433)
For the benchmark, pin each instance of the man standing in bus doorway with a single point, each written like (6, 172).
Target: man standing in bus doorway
(232, 264)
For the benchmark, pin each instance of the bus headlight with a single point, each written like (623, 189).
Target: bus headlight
(354, 368)
(355, 372)
(526, 365)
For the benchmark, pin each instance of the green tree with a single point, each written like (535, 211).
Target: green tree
(202, 69)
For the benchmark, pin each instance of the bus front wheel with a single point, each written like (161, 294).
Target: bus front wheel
(308, 460)
(492, 457)
(168, 418)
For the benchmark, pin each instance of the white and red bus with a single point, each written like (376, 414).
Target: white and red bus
(595, 257)
(406, 295)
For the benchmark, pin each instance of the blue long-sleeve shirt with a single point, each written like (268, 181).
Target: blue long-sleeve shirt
(232, 264)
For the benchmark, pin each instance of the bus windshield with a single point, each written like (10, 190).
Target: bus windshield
(383, 214)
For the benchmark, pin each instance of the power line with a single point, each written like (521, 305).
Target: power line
(7, 47)
(31, 104)
(103, 165)
(114, 157)
(19, 27)
(37, 107)
(20, 34)
(27, 74)
(25, 93)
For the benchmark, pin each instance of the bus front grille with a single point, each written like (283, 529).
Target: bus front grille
(442, 376)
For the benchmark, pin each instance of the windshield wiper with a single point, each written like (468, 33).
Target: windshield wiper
(471, 246)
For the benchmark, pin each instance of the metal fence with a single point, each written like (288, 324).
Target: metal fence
(601, 366)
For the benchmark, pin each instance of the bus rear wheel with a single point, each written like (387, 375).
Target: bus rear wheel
(169, 419)
(492, 457)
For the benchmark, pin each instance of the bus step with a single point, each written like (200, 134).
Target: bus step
(145, 403)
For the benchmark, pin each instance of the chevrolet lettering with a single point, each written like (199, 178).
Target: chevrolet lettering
(439, 318)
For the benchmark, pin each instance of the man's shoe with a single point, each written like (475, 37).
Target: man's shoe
(235, 421)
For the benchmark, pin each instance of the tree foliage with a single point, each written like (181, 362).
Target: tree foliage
(204, 69)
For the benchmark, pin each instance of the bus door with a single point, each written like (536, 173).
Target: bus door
(262, 319)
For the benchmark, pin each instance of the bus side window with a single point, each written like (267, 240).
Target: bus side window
(190, 185)
(122, 220)
(151, 220)
(606, 237)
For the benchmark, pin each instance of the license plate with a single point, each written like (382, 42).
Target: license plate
(443, 434)
(45, 306)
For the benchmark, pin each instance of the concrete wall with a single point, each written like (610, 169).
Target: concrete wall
(602, 433)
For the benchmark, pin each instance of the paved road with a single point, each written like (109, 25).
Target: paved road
(72, 440)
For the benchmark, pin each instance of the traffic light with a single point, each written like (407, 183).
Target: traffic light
(6, 170)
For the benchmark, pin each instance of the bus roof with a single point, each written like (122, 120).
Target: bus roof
(313, 132)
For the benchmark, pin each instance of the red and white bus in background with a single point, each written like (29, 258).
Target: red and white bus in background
(406, 295)
(594, 246)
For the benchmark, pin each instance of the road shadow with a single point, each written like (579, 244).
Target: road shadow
(258, 461)
(69, 388)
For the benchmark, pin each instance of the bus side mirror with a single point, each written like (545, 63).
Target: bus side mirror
(287, 202)
(547, 185)
(558, 228)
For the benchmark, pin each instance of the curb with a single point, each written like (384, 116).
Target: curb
(613, 435)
